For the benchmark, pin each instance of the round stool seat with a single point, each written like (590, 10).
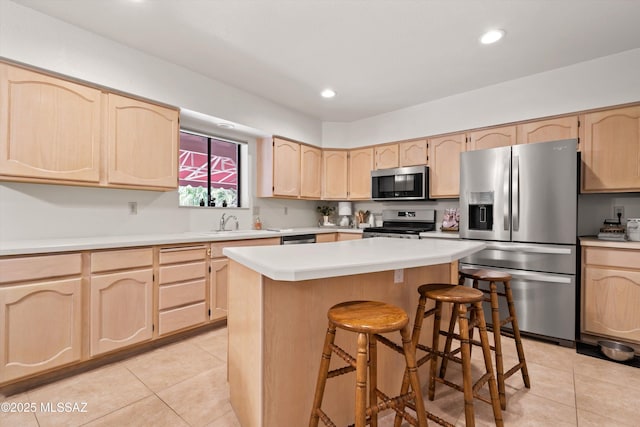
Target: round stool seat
(451, 293)
(484, 274)
(369, 317)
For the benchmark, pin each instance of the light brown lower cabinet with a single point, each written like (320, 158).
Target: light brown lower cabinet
(218, 273)
(218, 288)
(41, 312)
(611, 292)
(182, 288)
(326, 237)
(41, 327)
(349, 236)
(121, 299)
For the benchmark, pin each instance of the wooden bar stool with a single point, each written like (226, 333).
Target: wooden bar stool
(493, 277)
(368, 319)
(461, 297)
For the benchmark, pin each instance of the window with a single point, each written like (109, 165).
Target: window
(209, 171)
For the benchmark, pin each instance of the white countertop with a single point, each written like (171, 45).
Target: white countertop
(594, 241)
(305, 262)
(24, 247)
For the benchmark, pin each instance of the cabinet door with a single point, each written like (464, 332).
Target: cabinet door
(611, 151)
(360, 167)
(40, 328)
(310, 172)
(121, 309)
(611, 303)
(142, 144)
(548, 130)
(334, 174)
(218, 288)
(491, 138)
(49, 128)
(413, 153)
(387, 156)
(286, 168)
(444, 165)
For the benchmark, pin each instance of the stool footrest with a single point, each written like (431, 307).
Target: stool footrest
(343, 355)
(433, 417)
(324, 418)
(395, 403)
(340, 371)
(506, 320)
(513, 370)
(386, 341)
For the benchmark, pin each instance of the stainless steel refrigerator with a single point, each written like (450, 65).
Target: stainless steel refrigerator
(522, 200)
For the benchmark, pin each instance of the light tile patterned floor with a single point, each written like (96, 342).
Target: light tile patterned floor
(184, 384)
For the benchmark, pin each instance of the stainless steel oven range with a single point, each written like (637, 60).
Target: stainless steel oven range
(403, 223)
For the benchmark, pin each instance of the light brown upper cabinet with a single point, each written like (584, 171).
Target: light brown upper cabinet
(503, 136)
(278, 168)
(611, 151)
(310, 172)
(444, 165)
(386, 156)
(142, 141)
(548, 130)
(360, 167)
(50, 129)
(413, 153)
(334, 174)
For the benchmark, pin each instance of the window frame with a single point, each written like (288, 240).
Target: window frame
(240, 154)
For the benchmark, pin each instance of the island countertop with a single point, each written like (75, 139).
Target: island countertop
(306, 262)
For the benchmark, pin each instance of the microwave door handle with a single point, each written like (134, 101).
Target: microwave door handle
(505, 192)
(516, 193)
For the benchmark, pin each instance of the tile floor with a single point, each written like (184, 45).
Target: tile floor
(184, 384)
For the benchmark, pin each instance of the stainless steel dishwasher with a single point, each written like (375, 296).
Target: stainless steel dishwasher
(298, 239)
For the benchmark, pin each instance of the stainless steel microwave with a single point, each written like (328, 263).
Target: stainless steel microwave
(408, 183)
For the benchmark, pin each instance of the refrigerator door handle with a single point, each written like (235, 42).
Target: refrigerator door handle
(528, 275)
(505, 192)
(529, 249)
(515, 185)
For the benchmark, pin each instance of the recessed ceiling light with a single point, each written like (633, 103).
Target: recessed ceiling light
(328, 93)
(491, 36)
(226, 125)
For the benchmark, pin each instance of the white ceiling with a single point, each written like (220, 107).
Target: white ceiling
(379, 55)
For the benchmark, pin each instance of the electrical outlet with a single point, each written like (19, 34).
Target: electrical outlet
(398, 276)
(286, 210)
(618, 210)
(133, 208)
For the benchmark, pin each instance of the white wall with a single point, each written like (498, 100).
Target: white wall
(34, 210)
(29, 211)
(602, 82)
(598, 83)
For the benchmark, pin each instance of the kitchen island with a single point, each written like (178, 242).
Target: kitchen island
(278, 299)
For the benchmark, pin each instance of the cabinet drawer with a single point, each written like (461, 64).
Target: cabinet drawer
(181, 294)
(118, 260)
(183, 254)
(216, 248)
(182, 272)
(183, 317)
(39, 267)
(612, 257)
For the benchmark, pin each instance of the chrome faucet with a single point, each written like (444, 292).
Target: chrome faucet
(223, 222)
